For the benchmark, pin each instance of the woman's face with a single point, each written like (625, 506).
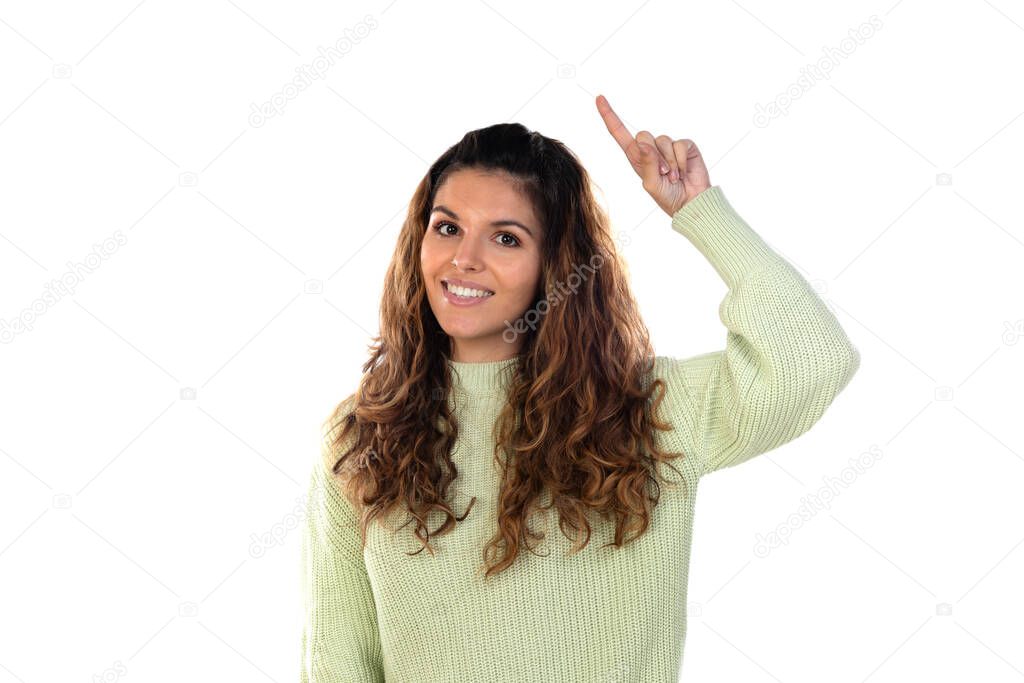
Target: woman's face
(479, 221)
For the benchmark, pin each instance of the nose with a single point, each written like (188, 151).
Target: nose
(467, 256)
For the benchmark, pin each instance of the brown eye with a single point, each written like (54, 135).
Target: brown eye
(439, 227)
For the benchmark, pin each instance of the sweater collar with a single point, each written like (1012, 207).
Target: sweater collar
(481, 378)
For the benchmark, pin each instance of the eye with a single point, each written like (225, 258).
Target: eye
(441, 225)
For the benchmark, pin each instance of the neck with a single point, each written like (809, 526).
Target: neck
(483, 377)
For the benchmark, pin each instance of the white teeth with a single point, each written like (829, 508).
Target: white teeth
(462, 291)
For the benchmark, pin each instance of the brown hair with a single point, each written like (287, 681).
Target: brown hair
(579, 399)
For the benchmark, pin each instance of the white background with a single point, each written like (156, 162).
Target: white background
(149, 535)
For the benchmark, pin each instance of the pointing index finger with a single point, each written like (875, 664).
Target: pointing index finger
(615, 125)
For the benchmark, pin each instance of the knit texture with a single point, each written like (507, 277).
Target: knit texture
(604, 614)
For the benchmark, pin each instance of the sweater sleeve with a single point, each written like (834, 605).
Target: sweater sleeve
(785, 357)
(340, 640)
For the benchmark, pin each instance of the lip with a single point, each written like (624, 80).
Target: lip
(455, 300)
(467, 283)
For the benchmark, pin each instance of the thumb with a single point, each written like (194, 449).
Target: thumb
(650, 162)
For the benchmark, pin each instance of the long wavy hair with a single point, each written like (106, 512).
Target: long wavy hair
(580, 412)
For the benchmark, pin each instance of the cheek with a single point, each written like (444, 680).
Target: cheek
(527, 283)
(536, 279)
(430, 257)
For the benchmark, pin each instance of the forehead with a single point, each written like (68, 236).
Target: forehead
(484, 195)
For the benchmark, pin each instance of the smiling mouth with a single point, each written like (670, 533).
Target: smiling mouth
(444, 286)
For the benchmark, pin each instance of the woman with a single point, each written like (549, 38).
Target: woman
(513, 388)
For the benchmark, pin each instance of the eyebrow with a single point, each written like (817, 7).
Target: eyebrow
(495, 224)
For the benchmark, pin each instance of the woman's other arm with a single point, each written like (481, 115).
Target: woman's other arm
(340, 640)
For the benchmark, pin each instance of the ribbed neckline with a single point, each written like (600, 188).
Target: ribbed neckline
(481, 378)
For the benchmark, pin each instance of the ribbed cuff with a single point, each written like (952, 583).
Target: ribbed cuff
(713, 226)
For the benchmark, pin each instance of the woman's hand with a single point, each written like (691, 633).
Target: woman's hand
(673, 171)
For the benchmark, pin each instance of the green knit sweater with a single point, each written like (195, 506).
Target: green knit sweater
(604, 614)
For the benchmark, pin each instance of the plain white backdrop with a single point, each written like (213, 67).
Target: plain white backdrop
(191, 259)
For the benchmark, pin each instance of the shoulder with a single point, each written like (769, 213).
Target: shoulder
(685, 381)
(682, 376)
(332, 446)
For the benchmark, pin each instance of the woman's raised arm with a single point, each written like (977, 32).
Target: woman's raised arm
(785, 358)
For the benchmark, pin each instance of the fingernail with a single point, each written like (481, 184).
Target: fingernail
(664, 170)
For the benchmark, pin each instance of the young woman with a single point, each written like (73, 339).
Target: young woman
(513, 391)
